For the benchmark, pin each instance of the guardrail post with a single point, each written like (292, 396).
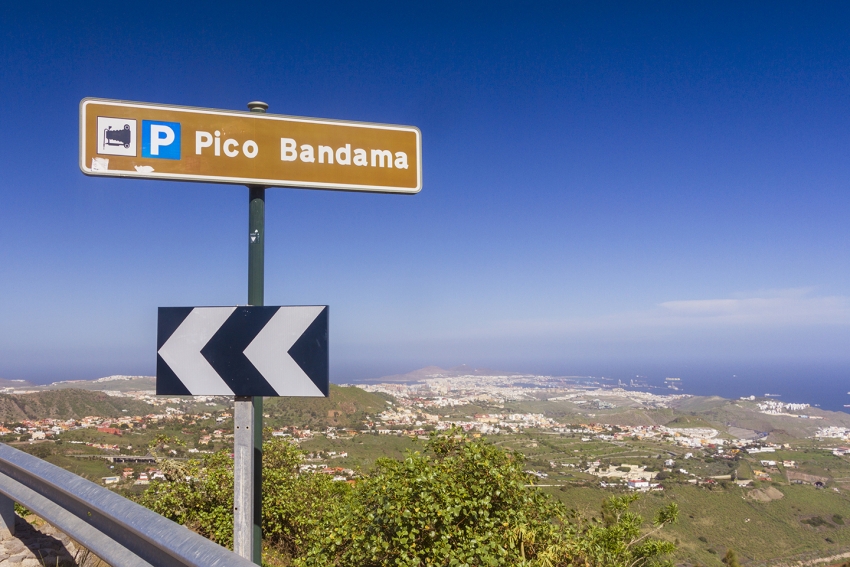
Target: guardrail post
(7, 516)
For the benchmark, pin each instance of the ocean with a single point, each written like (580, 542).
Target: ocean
(824, 386)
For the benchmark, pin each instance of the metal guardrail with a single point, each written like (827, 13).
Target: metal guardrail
(121, 532)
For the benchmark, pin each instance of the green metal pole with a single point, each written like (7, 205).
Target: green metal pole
(256, 277)
(256, 244)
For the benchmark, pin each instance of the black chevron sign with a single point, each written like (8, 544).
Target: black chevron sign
(243, 351)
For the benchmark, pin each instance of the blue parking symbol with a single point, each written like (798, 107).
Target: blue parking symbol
(160, 139)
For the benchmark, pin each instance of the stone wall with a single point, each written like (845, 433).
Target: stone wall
(38, 544)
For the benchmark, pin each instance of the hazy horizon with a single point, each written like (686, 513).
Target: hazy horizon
(820, 385)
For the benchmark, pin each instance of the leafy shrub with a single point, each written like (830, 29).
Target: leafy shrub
(838, 519)
(459, 502)
(731, 559)
(465, 502)
(199, 494)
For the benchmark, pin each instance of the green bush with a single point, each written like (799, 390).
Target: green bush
(731, 559)
(458, 502)
(199, 494)
(464, 501)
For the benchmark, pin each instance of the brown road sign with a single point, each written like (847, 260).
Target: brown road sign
(156, 141)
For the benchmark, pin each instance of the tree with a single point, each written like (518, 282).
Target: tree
(161, 443)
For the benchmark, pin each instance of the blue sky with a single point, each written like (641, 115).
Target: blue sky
(608, 187)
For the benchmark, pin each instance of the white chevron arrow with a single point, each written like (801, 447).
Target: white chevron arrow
(182, 351)
(269, 351)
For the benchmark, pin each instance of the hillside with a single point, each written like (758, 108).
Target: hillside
(712, 521)
(346, 407)
(67, 404)
(739, 416)
(688, 421)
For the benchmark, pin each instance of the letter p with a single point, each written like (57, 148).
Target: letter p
(161, 135)
(160, 139)
(202, 140)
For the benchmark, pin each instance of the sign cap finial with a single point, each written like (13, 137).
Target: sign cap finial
(257, 106)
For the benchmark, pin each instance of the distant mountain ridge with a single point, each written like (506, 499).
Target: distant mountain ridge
(5, 383)
(429, 371)
(117, 383)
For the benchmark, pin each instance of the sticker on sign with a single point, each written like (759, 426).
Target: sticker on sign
(157, 141)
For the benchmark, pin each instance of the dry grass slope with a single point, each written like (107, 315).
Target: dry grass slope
(67, 404)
